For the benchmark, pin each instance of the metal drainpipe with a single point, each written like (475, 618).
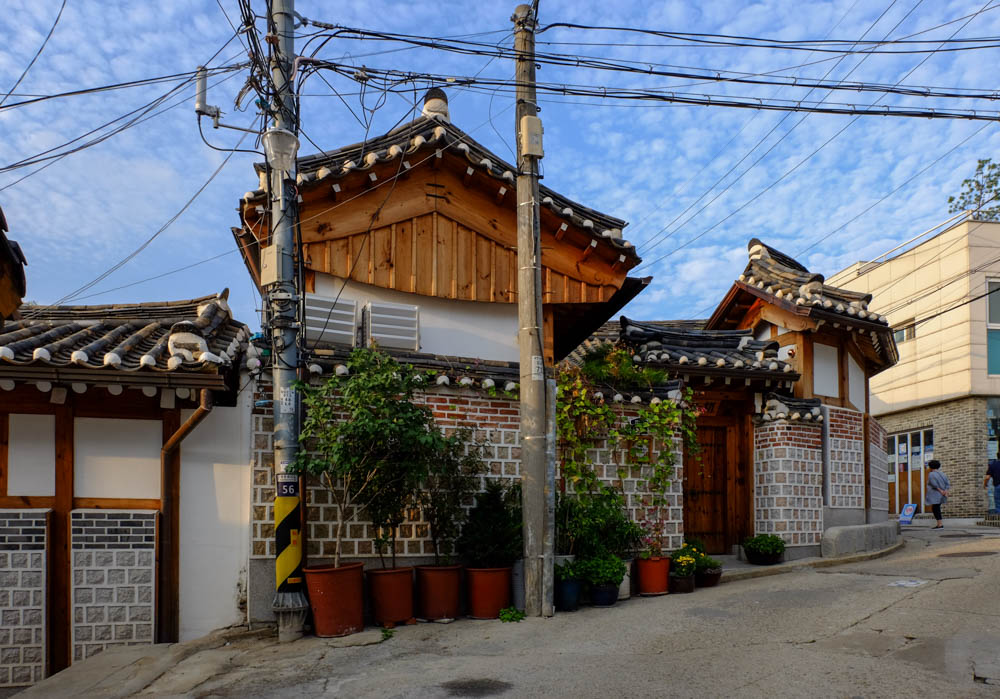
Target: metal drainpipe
(167, 504)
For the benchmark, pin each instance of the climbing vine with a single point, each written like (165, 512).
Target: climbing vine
(643, 434)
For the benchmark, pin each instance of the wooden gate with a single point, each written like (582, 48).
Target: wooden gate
(717, 486)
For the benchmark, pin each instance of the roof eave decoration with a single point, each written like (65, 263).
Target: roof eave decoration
(777, 406)
(435, 136)
(733, 353)
(195, 336)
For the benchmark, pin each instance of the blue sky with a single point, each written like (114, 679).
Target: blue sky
(639, 162)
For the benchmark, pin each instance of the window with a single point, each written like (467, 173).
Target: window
(908, 454)
(993, 328)
(905, 331)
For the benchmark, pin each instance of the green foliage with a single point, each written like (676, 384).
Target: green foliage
(567, 571)
(589, 524)
(491, 537)
(765, 543)
(694, 542)
(705, 562)
(682, 565)
(387, 634)
(451, 482)
(979, 190)
(606, 569)
(368, 443)
(613, 365)
(511, 614)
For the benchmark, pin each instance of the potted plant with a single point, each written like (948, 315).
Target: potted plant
(683, 565)
(490, 542)
(764, 549)
(603, 573)
(568, 586)
(450, 485)
(653, 566)
(369, 445)
(707, 571)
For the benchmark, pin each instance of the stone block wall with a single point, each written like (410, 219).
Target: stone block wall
(114, 577)
(960, 436)
(846, 467)
(23, 589)
(494, 418)
(788, 481)
(878, 466)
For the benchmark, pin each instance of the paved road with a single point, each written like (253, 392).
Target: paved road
(914, 623)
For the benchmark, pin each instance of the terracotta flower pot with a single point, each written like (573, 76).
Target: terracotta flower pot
(653, 573)
(708, 578)
(336, 597)
(392, 596)
(489, 592)
(439, 591)
(681, 583)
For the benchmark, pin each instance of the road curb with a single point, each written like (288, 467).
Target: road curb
(765, 571)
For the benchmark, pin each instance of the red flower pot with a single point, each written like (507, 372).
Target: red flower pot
(439, 591)
(392, 596)
(335, 594)
(653, 575)
(489, 592)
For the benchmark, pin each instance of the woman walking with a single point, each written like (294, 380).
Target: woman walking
(937, 490)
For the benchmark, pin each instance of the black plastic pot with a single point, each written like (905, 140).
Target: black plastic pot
(604, 595)
(680, 584)
(567, 595)
(762, 559)
(708, 578)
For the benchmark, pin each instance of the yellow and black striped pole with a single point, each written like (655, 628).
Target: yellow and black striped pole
(287, 534)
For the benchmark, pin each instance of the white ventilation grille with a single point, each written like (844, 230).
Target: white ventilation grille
(392, 325)
(329, 323)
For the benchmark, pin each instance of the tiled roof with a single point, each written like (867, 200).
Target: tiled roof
(779, 275)
(683, 349)
(198, 335)
(424, 136)
(610, 333)
(781, 407)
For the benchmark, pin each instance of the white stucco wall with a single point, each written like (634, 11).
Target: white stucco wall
(215, 519)
(826, 373)
(116, 458)
(855, 383)
(31, 455)
(456, 328)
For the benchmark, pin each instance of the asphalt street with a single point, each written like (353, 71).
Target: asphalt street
(923, 621)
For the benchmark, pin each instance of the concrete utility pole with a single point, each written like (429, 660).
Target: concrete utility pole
(281, 146)
(536, 484)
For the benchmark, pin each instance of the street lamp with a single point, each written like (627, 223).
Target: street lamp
(280, 147)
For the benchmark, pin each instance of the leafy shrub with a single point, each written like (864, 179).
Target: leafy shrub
(682, 565)
(511, 614)
(765, 543)
(706, 562)
(491, 538)
(567, 571)
(606, 569)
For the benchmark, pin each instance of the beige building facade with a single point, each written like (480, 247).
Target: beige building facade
(937, 402)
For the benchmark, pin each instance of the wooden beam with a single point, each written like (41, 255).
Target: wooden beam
(168, 563)
(27, 501)
(116, 503)
(60, 578)
(866, 423)
(588, 251)
(4, 458)
(804, 387)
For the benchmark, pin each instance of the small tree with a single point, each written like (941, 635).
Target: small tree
(368, 443)
(978, 191)
(452, 480)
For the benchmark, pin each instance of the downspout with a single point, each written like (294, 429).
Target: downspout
(168, 622)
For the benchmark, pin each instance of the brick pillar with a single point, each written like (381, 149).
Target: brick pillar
(788, 481)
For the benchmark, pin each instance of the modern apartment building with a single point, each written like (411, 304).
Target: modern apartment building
(938, 401)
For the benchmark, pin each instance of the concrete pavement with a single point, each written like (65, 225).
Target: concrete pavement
(924, 621)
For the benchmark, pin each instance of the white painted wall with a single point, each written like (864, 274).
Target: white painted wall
(31, 455)
(856, 383)
(457, 328)
(215, 518)
(116, 458)
(826, 377)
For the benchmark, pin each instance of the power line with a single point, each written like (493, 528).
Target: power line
(38, 53)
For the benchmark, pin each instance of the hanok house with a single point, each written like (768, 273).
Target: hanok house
(780, 372)
(409, 241)
(124, 444)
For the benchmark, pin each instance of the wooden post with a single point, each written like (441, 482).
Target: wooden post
(60, 570)
(168, 554)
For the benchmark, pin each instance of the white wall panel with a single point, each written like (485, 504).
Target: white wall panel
(117, 458)
(856, 383)
(31, 455)
(826, 377)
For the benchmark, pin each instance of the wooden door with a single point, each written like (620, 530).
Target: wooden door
(705, 488)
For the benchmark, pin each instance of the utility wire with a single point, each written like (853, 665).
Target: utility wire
(38, 53)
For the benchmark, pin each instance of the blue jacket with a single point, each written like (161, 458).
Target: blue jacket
(937, 481)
